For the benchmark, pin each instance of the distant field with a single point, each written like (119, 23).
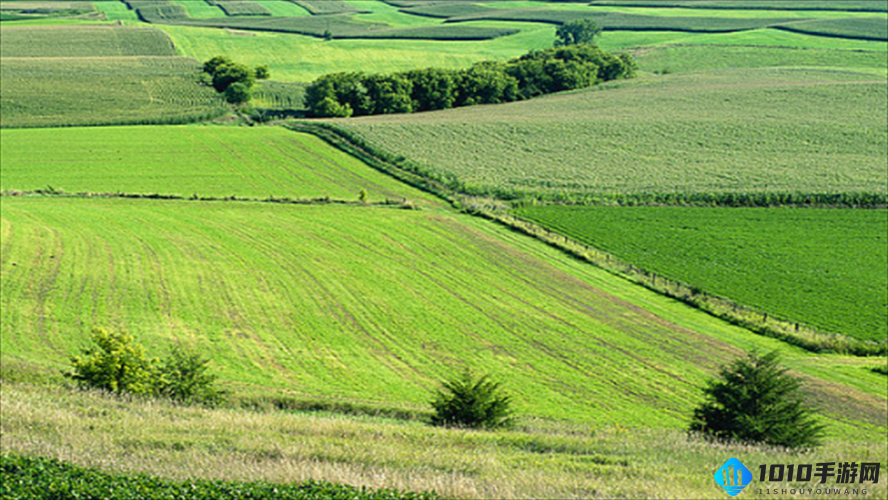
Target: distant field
(83, 41)
(827, 268)
(693, 58)
(207, 161)
(297, 58)
(90, 75)
(109, 90)
(727, 131)
(376, 305)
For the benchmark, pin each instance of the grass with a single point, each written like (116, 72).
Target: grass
(695, 58)
(241, 8)
(864, 29)
(187, 160)
(789, 262)
(538, 460)
(297, 58)
(40, 479)
(722, 131)
(83, 41)
(91, 75)
(375, 306)
(109, 90)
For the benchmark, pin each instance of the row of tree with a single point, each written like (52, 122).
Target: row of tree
(535, 73)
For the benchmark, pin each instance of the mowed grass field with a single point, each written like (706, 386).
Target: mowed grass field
(826, 267)
(377, 305)
(750, 130)
(190, 160)
(92, 75)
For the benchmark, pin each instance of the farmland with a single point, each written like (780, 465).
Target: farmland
(88, 75)
(203, 161)
(722, 131)
(332, 297)
(789, 262)
(373, 305)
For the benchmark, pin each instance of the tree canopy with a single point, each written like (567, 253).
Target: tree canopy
(583, 30)
(535, 73)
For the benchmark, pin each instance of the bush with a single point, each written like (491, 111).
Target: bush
(473, 403)
(118, 365)
(755, 401)
(238, 93)
(184, 377)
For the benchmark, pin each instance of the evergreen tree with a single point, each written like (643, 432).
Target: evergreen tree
(470, 402)
(754, 400)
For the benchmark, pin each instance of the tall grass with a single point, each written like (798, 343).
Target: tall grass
(538, 460)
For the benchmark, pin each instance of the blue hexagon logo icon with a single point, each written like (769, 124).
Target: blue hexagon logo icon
(733, 476)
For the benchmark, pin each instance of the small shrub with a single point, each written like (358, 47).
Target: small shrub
(184, 377)
(474, 403)
(118, 365)
(755, 401)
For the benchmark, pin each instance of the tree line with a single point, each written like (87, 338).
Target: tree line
(536, 73)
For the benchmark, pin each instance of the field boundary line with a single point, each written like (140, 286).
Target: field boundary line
(403, 203)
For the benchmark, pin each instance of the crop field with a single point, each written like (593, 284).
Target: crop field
(863, 29)
(724, 131)
(789, 262)
(41, 92)
(695, 58)
(83, 41)
(206, 161)
(88, 75)
(375, 305)
(241, 8)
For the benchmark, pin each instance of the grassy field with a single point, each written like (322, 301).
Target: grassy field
(42, 92)
(722, 131)
(207, 161)
(569, 462)
(91, 75)
(376, 305)
(83, 41)
(790, 263)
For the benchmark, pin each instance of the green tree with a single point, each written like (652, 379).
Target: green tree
(227, 74)
(184, 376)
(388, 94)
(583, 30)
(238, 93)
(211, 65)
(469, 402)
(754, 400)
(433, 88)
(486, 83)
(262, 72)
(118, 364)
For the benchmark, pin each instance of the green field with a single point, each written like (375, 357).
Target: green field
(828, 267)
(42, 92)
(376, 305)
(83, 41)
(332, 321)
(187, 160)
(721, 131)
(91, 75)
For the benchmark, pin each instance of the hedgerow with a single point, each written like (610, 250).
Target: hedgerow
(45, 478)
